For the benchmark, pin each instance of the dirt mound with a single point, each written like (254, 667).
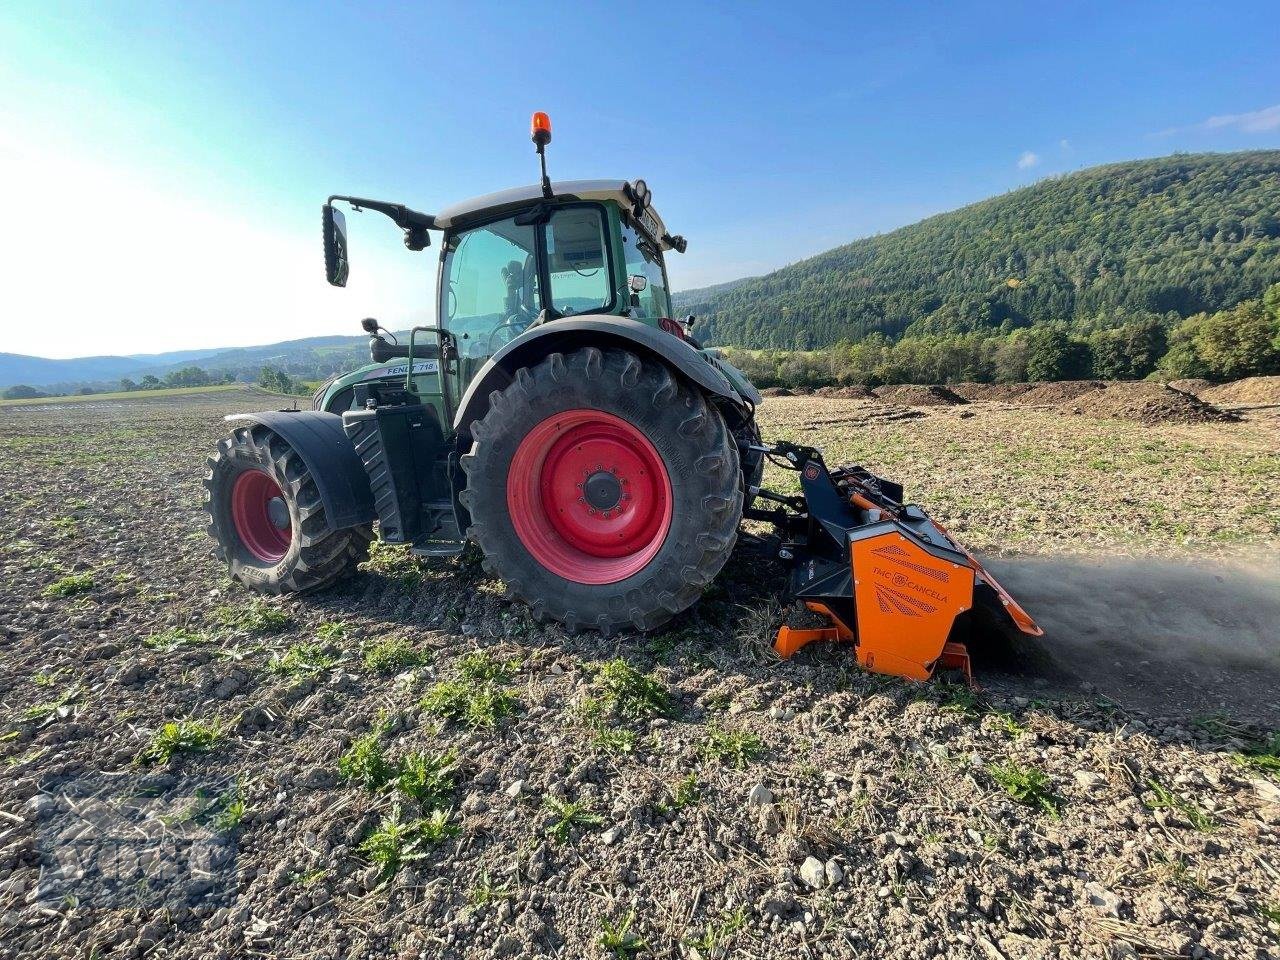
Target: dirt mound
(918, 395)
(990, 392)
(1150, 403)
(1249, 392)
(1052, 394)
(775, 392)
(1192, 385)
(856, 392)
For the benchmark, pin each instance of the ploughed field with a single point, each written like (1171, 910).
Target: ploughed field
(409, 766)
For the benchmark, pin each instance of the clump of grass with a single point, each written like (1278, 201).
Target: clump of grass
(393, 655)
(1162, 798)
(302, 660)
(44, 677)
(332, 631)
(568, 816)
(70, 586)
(737, 747)
(365, 764)
(1025, 784)
(173, 638)
(686, 791)
(394, 562)
(1263, 754)
(224, 810)
(396, 841)
(482, 667)
(632, 694)
(486, 891)
(257, 618)
(616, 741)
(1008, 723)
(1270, 911)
(45, 711)
(469, 705)
(181, 736)
(427, 777)
(618, 940)
(719, 930)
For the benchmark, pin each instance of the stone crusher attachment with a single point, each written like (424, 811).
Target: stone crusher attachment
(887, 578)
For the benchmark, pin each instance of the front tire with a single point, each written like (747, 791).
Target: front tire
(604, 490)
(267, 519)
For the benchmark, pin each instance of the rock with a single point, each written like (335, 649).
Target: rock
(1103, 899)
(1267, 791)
(611, 836)
(1088, 780)
(814, 873)
(835, 873)
(514, 789)
(760, 795)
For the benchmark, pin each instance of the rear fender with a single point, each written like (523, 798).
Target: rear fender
(340, 477)
(571, 333)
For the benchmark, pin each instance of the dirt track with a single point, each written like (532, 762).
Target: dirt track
(1153, 833)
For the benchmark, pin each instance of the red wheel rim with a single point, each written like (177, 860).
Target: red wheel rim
(255, 500)
(589, 496)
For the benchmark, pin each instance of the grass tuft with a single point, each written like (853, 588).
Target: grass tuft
(394, 562)
(393, 655)
(732, 746)
(174, 638)
(256, 618)
(483, 707)
(481, 667)
(181, 736)
(365, 764)
(427, 777)
(302, 660)
(70, 586)
(568, 816)
(717, 931)
(1025, 784)
(633, 694)
(1162, 798)
(618, 940)
(396, 841)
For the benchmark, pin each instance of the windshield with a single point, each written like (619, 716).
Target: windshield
(577, 261)
(489, 286)
(644, 259)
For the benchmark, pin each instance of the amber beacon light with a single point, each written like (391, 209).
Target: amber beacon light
(540, 129)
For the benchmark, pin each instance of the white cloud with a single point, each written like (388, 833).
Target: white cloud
(1028, 160)
(1255, 121)
(1064, 144)
(100, 259)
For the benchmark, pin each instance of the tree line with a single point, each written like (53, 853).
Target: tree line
(1241, 341)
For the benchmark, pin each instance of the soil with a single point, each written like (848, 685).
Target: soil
(1053, 394)
(1249, 392)
(1150, 403)
(775, 392)
(857, 392)
(1192, 385)
(918, 395)
(793, 810)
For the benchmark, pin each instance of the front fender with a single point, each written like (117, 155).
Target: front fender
(599, 330)
(329, 456)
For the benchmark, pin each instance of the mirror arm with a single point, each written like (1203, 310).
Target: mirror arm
(403, 217)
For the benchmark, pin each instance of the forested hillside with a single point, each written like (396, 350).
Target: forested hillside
(1129, 242)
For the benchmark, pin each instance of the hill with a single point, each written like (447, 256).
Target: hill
(1175, 235)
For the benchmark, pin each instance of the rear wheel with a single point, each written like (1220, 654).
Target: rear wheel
(267, 518)
(603, 490)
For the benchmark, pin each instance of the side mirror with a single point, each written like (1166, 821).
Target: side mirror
(336, 267)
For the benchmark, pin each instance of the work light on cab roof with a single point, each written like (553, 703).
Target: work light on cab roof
(560, 417)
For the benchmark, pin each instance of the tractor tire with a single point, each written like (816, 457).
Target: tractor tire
(605, 491)
(267, 520)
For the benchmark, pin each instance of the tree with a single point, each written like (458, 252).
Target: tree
(1053, 355)
(152, 382)
(20, 391)
(1128, 352)
(1240, 342)
(128, 385)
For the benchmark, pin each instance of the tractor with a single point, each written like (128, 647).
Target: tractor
(561, 418)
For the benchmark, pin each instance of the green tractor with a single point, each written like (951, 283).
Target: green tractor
(557, 415)
(560, 417)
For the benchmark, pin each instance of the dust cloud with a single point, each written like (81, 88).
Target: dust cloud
(1174, 638)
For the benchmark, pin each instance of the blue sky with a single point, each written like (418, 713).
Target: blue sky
(167, 161)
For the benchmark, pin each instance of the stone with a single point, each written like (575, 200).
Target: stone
(760, 795)
(515, 789)
(835, 873)
(814, 873)
(1088, 780)
(611, 836)
(1104, 899)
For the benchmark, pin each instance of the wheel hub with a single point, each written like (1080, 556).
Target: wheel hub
(602, 490)
(278, 513)
(589, 496)
(261, 516)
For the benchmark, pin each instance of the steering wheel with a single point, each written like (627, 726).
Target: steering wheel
(509, 329)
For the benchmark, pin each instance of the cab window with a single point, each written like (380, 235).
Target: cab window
(577, 261)
(643, 258)
(490, 290)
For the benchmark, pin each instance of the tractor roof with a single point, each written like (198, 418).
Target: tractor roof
(493, 204)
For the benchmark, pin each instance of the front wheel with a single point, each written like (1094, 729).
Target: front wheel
(605, 491)
(267, 519)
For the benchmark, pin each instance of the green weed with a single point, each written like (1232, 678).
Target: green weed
(616, 741)
(70, 586)
(301, 660)
(181, 736)
(427, 777)
(394, 562)
(1025, 784)
(469, 705)
(732, 746)
(618, 940)
(1162, 798)
(486, 892)
(332, 631)
(569, 815)
(256, 618)
(481, 667)
(393, 655)
(365, 764)
(41, 712)
(719, 930)
(396, 841)
(633, 694)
